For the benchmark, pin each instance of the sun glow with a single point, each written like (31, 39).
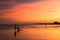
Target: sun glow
(45, 11)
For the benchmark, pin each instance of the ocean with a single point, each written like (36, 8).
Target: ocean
(31, 32)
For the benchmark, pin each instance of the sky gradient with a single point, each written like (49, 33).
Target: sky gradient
(17, 11)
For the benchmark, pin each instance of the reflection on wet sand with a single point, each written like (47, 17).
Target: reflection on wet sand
(30, 34)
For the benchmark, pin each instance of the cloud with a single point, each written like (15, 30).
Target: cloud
(27, 1)
(2, 13)
(6, 20)
(7, 0)
(6, 4)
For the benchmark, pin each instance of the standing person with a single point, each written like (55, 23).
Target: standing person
(18, 29)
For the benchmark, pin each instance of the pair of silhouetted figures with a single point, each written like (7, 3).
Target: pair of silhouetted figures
(17, 30)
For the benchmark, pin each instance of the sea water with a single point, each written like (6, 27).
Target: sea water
(32, 32)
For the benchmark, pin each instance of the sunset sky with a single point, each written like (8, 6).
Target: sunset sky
(16, 11)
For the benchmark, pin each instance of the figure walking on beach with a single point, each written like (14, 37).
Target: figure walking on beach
(17, 30)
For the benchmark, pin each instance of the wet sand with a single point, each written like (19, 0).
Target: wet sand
(31, 34)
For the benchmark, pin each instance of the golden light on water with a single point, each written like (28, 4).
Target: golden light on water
(31, 34)
(40, 34)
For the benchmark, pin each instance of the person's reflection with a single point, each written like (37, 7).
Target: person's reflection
(15, 34)
(15, 30)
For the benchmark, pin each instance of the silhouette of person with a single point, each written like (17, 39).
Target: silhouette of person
(14, 26)
(17, 30)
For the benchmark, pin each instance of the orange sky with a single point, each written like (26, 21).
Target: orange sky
(41, 11)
